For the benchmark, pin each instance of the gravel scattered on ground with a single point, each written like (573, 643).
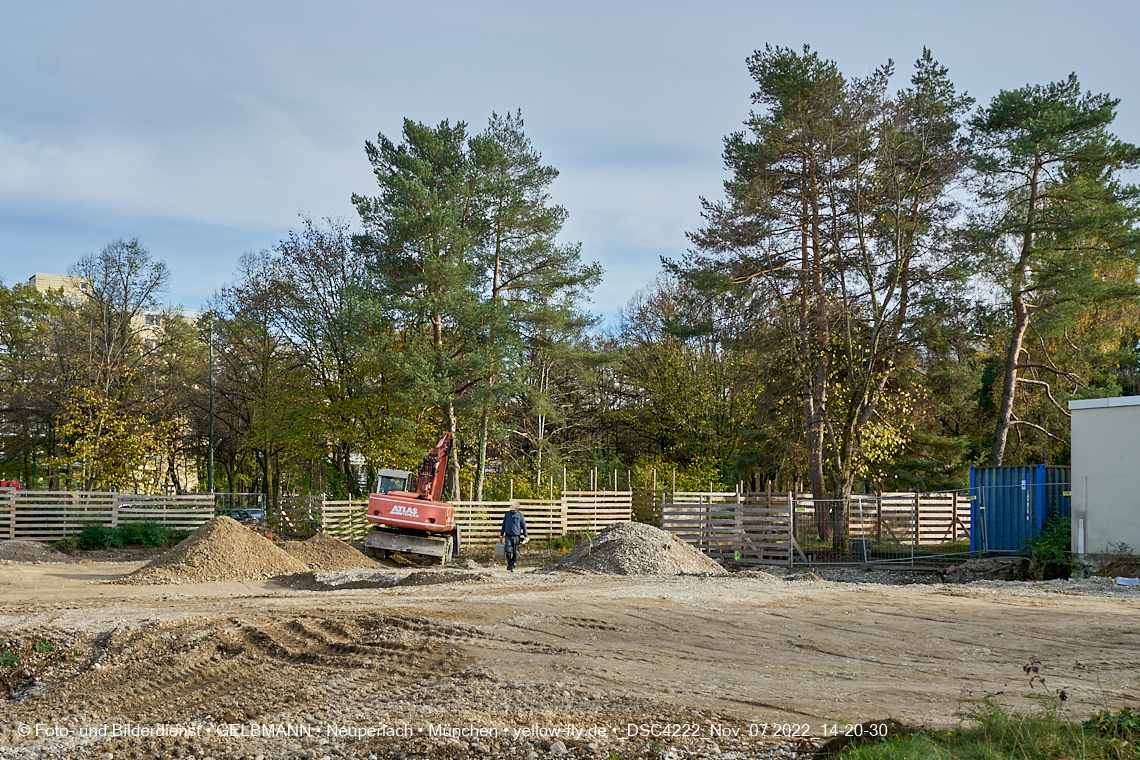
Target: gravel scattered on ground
(377, 578)
(923, 580)
(630, 548)
(221, 550)
(324, 553)
(29, 551)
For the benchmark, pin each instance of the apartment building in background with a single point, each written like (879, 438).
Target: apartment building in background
(147, 325)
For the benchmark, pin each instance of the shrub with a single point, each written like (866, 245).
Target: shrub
(1049, 551)
(99, 537)
(133, 534)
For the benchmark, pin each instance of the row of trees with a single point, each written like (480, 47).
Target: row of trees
(895, 286)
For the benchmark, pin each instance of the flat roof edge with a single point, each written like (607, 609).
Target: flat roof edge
(1103, 403)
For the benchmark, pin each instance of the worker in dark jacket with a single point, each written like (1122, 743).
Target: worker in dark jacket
(512, 535)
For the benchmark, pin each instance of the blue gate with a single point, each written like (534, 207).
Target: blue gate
(1008, 505)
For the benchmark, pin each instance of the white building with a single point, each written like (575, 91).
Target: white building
(1105, 501)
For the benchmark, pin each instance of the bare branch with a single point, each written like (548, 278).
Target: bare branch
(1038, 427)
(1048, 392)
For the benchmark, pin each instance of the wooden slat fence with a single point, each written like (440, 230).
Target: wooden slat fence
(55, 515)
(479, 521)
(755, 529)
(297, 517)
(766, 529)
(345, 519)
(594, 510)
(647, 504)
(704, 497)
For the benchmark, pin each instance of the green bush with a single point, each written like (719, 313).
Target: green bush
(129, 534)
(99, 537)
(8, 659)
(1049, 551)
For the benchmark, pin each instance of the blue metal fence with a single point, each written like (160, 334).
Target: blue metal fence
(1009, 505)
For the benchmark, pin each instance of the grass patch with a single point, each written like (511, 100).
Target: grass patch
(993, 734)
(9, 659)
(129, 534)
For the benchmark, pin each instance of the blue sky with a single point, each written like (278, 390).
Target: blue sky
(205, 128)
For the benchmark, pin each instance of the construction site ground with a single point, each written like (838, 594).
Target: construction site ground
(487, 663)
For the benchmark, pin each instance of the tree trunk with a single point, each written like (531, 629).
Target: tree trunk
(1020, 324)
(481, 464)
(452, 424)
(1009, 383)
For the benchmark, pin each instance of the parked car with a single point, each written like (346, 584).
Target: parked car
(243, 514)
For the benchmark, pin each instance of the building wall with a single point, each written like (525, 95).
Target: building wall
(1106, 473)
(72, 287)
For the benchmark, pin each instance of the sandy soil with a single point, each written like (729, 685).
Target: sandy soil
(536, 651)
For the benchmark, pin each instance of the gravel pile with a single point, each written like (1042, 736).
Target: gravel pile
(325, 554)
(630, 548)
(221, 550)
(29, 551)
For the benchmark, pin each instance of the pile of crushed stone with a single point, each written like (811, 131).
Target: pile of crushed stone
(324, 554)
(29, 551)
(631, 548)
(221, 550)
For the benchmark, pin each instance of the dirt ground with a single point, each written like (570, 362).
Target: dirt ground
(508, 664)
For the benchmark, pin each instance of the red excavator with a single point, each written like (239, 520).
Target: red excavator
(415, 521)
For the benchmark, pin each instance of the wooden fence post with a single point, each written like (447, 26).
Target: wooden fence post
(954, 516)
(10, 499)
(914, 536)
(879, 518)
(791, 531)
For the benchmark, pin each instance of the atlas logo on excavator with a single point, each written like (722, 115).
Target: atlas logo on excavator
(402, 510)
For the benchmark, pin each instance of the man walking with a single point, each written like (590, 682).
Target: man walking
(512, 535)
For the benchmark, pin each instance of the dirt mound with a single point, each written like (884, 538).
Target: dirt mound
(29, 551)
(989, 568)
(323, 553)
(221, 550)
(1127, 567)
(630, 548)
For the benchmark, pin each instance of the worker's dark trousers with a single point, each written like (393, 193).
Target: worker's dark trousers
(511, 549)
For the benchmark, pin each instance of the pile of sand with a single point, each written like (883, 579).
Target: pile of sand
(630, 548)
(29, 551)
(325, 554)
(221, 550)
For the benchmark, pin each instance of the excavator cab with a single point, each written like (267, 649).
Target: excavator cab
(392, 480)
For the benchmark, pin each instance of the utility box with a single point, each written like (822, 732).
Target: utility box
(1009, 505)
(1106, 475)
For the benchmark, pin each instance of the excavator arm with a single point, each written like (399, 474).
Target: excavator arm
(432, 476)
